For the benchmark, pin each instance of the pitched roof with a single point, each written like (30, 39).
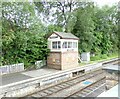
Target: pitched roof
(64, 35)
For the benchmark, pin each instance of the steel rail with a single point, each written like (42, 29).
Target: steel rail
(73, 81)
(89, 86)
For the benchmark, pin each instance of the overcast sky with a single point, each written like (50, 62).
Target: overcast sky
(106, 2)
(99, 2)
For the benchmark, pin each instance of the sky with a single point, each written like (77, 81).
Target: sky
(99, 2)
(106, 2)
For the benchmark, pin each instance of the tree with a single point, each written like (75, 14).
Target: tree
(106, 27)
(84, 27)
(51, 28)
(22, 34)
(60, 13)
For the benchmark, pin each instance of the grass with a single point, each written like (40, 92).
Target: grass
(99, 58)
(85, 63)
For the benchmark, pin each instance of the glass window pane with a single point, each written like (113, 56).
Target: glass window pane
(74, 44)
(54, 45)
(59, 44)
(64, 45)
(69, 44)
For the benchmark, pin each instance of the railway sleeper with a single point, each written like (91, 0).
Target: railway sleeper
(57, 88)
(52, 90)
(87, 91)
(42, 94)
(35, 95)
(48, 91)
(61, 86)
(96, 91)
(69, 83)
(65, 84)
(75, 95)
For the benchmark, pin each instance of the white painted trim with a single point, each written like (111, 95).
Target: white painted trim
(62, 49)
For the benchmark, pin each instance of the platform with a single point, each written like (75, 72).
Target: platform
(16, 77)
(40, 72)
(112, 67)
(113, 92)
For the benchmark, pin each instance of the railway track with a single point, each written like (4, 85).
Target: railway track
(116, 63)
(93, 89)
(51, 85)
(58, 88)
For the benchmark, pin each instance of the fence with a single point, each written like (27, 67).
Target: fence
(11, 68)
(40, 63)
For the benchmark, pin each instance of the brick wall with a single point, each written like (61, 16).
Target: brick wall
(54, 60)
(65, 60)
(69, 60)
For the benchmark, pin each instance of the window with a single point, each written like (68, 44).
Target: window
(69, 44)
(59, 44)
(56, 45)
(64, 45)
(74, 44)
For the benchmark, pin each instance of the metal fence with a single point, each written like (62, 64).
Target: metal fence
(11, 68)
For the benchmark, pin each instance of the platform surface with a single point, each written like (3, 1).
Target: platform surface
(11, 78)
(112, 67)
(16, 77)
(113, 92)
(40, 72)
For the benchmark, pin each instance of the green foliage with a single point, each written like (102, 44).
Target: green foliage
(51, 28)
(84, 28)
(103, 56)
(96, 27)
(22, 35)
(106, 29)
(25, 24)
(95, 58)
(98, 57)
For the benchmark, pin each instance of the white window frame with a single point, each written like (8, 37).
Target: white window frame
(58, 44)
(71, 44)
(74, 44)
(66, 45)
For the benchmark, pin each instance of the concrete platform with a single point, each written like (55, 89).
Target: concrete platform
(11, 78)
(112, 67)
(40, 72)
(16, 77)
(113, 92)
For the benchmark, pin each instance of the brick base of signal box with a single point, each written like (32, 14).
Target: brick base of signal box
(62, 60)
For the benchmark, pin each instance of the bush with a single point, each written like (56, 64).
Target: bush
(26, 47)
(93, 58)
(98, 57)
(104, 56)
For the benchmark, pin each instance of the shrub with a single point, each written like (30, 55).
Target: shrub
(93, 58)
(104, 56)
